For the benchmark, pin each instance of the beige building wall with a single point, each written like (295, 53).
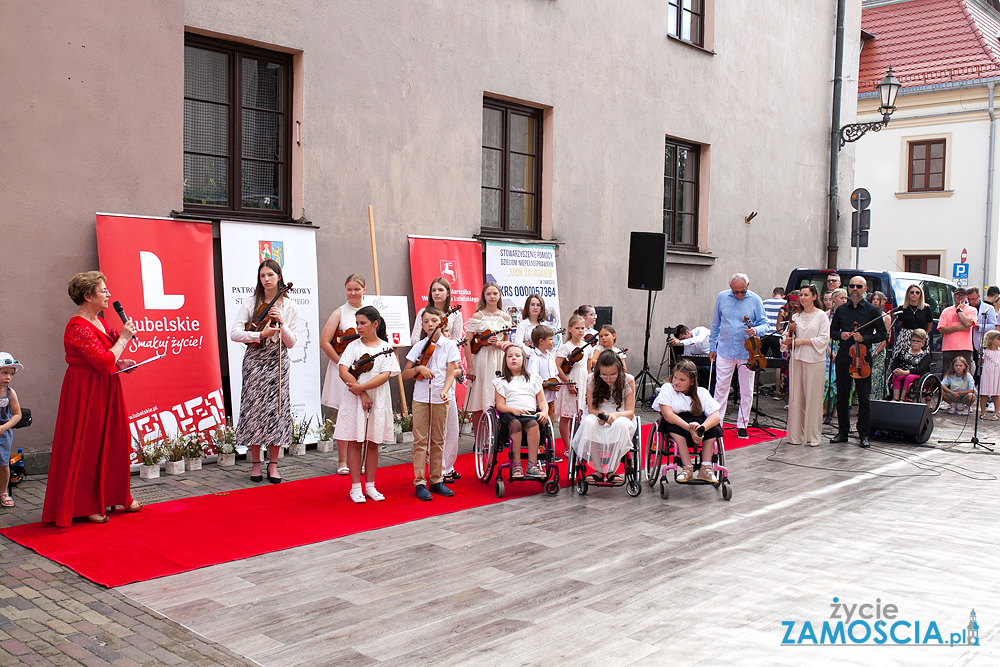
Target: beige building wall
(389, 96)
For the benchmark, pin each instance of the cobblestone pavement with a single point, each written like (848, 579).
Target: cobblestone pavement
(51, 616)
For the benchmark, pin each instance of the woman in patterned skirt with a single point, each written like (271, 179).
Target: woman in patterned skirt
(265, 414)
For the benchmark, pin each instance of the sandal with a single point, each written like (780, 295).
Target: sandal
(451, 477)
(684, 474)
(97, 518)
(534, 472)
(343, 470)
(516, 472)
(134, 507)
(995, 417)
(6, 500)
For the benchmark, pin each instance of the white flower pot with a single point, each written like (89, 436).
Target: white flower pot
(399, 438)
(325, 446)
(408, 436)
(192, 464)
(174, 467)
(297, 449)
(149, 472)
(465, 429)
(226, 460)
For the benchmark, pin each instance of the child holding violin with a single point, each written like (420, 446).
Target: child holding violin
(488, 359)
(542, 361)
(532, 316)
(340, 329)
(365, 415)
(571, 364)
(439, 296)
(606, 337)
(266, 414)
(433, 361)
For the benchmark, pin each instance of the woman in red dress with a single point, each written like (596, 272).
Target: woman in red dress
(89, 470)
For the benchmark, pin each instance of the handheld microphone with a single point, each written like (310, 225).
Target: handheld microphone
(121, 313)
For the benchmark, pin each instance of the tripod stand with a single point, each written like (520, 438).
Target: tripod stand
(646, 373)
(974, 441)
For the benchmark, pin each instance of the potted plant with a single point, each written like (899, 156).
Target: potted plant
(175, 447)
(194, 450)
(403, 427)
(326, 442)
(464, 423)
(300, 431)
(150, 453)
(224, 442)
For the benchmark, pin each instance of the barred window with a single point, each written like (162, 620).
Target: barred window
(237, 130)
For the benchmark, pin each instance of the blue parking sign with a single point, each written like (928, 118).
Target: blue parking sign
(961, 270)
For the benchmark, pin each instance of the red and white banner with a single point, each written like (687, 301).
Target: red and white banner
(161, 270)
(460, 262)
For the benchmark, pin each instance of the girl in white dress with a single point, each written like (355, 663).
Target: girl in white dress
(989, 383)
(487, 363)
(439, 296)
(365, 413)
(690, 416)
(532, 315)
(605, 433)
(341, 320)
(589, 315)
(572, 398)
(607, 337)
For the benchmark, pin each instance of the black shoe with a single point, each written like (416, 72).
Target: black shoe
(741, 433)
(273, 480)
(256, 478)
(441, 489)
(422, 492)
(841, 437)
(864, 442)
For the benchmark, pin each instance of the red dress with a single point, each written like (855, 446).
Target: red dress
(89, 470)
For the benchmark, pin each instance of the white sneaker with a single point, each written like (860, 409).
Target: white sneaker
(990, 408)
(357, 495)
(965, 411)
(951, 409)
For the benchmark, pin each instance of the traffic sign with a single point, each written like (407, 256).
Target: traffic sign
(860, 199)
(960, 270)
(962, 282)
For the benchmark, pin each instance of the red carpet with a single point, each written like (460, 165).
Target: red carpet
(181, 535)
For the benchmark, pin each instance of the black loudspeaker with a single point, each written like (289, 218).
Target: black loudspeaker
(902, 421)
(603, 316)
(647, 260)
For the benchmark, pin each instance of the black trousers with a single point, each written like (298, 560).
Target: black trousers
(862, 389)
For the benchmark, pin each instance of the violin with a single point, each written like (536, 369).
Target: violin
(366, 362)
(554, 383)
(261, 319)
(425, 356)
(341, 339)
(478, 341)
(577, 354)
(859, 367)
(757, 361)
(451, 311)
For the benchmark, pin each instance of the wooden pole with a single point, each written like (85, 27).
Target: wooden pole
(378, 292)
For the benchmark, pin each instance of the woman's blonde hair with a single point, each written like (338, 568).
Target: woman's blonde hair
(356, 278)
(84, 284)
(988, 338)
(920, 301)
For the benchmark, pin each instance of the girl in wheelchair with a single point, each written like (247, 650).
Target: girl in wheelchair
(908, 365)
(690, 416)
(605, 433)
(522, 407)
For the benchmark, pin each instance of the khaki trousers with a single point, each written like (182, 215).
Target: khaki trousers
(805, 401)
(428, 441)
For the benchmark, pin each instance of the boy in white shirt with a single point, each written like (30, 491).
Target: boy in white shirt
(434, 377)
(542, 361)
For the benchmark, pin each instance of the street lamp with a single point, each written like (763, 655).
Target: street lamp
(887, 91)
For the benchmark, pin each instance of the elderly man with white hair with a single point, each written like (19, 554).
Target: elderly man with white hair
(727, 344)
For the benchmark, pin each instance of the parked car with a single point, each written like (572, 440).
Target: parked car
(938, 293)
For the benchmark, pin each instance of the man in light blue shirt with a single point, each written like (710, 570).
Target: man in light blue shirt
(727, 340)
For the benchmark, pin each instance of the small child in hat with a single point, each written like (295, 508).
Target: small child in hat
(10, 414)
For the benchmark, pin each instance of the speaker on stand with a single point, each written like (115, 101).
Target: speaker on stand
(647, 263)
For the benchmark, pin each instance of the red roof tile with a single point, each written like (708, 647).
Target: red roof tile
(929, 41)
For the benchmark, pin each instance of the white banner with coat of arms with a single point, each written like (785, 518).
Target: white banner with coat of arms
(244, 247)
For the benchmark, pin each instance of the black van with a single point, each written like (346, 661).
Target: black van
(938, 292)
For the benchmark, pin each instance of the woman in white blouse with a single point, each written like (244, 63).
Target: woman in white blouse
(808, 341)
(265, 414)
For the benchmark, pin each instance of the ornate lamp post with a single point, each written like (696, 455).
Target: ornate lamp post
(887, 91)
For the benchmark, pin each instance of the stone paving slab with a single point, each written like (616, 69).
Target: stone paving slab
(51, 616)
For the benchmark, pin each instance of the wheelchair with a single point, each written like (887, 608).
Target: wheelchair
(661, 456)
(925, 389)
(488, 446)
(577, 467)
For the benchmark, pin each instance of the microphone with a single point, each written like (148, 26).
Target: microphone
(121, 313)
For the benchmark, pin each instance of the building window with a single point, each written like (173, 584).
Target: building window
(512, 169)
(926, 166)
(680, 194)
(929, 264)
(237, 130)
(686, 20)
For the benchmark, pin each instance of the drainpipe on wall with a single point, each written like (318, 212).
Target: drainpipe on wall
(838, 88)
(989, 187)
